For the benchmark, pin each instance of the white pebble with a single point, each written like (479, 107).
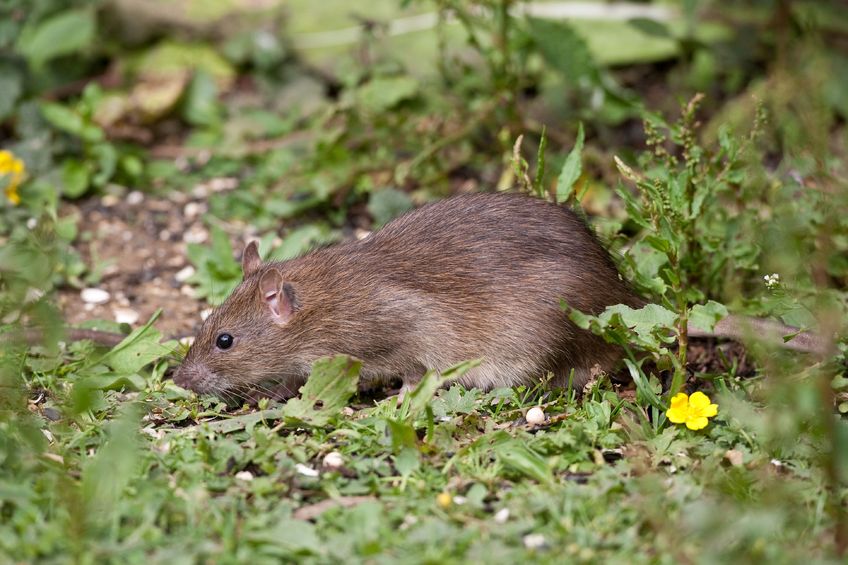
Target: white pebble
(94, 296)
(535, 416)
(126, 316)
(502, 515)
(109, 200)
(187, 341)
(305, 471)
(184, 274)
(31, 223)
(333, 459)
(195, 235)
(534, 541)
(192, 210)
(244, 476)
(135, 197)
(188, 291)
(205, 313)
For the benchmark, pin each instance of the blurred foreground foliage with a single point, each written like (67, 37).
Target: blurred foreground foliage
(705, 141)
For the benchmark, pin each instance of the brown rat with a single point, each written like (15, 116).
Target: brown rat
(474, 276)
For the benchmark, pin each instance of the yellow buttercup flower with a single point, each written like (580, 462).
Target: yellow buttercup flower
(693, 411)
(15, 169)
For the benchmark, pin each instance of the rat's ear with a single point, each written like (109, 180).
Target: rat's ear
(250, 260)
(278, 296)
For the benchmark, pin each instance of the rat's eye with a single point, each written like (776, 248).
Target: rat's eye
(224, 341)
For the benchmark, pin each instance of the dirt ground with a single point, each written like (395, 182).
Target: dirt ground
(140, 242)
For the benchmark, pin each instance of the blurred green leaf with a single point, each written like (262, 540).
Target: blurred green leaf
(562, 48)
(76, 178)
(706, 316)
(386, 204)
(382, 94)
(65, 33)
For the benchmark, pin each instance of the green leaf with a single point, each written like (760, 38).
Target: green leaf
(332, 382)
(571, 170)
(515, 455)
(385, 205)
(645, 320)
(706, 316)
(67, 32)
(562, 48)
(200, 106)
(382, 94)
(418, 400)
(71, 122)
(651, 27)
(11, 87)
(302, 239)
(76, 178)
(141, 347)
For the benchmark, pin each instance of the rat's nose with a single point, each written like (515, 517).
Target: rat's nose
(185, 375)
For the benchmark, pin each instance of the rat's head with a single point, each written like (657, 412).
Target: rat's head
(245, 341)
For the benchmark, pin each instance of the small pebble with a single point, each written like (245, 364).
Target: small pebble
(192, 210)
(184, 274)
(305, 471)
(126, 316)
(502, 515)
(205, 313)
(52, 414)
(94, 296)
(31, 223)
(135, 197)
(534, 541)
(188, 291)
(244, 476)
(535, 416)
(109, 200)
(333, 460)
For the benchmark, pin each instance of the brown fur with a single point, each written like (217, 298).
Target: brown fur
(474, 276)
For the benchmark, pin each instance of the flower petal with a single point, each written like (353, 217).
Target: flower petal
(680, 400)
(696, 423)
(699, 400)
(710, 410)
(677, 415)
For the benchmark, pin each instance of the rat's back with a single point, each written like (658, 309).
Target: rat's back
(490, 270)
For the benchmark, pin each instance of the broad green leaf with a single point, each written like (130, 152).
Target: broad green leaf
(384, 205)
(200, 105)
(382, 94)
(571, 170)
(11, 87)
(287, 538)
(706, 316)
(76, 178)
(68, 32)
(332, 382)
(302, 239)
(644, 322)
(562, 48)
(143, 346)
(113, 467)
(650, 27)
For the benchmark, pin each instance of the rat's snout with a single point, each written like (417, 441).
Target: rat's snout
(193, 376)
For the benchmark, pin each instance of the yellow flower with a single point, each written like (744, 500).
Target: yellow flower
(14, 168)
(691, 410)
(444, 499)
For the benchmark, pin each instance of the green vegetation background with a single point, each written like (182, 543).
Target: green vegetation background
(705, 140)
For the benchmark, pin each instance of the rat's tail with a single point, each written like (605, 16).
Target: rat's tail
(744, 327)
